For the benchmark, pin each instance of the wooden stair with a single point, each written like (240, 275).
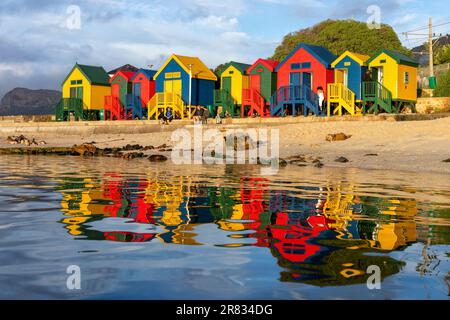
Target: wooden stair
(253, 99)
(294, 95)
(380, 97)
(68, 105)
(343, 98)
(113, 105)
(157, 106)
(223, 99)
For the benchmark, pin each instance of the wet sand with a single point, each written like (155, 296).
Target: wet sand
(419, 146)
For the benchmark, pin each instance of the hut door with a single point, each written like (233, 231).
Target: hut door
(173, 86)
(80, 93)
(295, 79)
(137, 91)
(255, 82)
(76, 92)
(307, 79)
(226, 84)
(116, 90)
(380, 75)
(342, 76)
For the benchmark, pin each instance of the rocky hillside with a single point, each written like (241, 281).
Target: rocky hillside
(21, 101)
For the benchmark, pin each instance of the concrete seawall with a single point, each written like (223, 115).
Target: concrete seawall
(150, 126)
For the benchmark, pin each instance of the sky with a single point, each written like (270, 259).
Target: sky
(40, 40)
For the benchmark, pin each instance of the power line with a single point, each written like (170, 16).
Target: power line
(426, 27)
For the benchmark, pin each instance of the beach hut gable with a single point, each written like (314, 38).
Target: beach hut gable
(149, 74)
(399, 58)
(189, 64)
(240, 67)
(321, 54)
(269, 64)
(123, 74)
(95, 75)
(359, 58)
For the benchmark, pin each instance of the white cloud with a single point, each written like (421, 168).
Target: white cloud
(218, 22)
(403, 20)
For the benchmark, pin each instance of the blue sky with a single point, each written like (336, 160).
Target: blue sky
(37, 48)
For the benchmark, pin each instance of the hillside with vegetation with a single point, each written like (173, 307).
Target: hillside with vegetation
(341, 35)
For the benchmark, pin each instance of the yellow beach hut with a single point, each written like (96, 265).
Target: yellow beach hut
(233, 80)
(83, 93)
(392, 86)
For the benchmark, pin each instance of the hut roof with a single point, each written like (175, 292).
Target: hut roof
(96, 75)
(397, 56)
(320, 53)
(199, 69)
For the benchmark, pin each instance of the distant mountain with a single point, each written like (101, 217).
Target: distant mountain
(22, 101)
(421, 52)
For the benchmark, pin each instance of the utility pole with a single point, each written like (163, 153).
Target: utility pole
(430, 43)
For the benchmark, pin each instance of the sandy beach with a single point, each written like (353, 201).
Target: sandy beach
(419, 146)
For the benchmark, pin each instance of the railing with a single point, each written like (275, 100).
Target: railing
(223, 97)
(113, 105)
(295, 95)
(341, 94)
(373, 90)
(135, 105)
(252, 98)
(161, 101)
(69, 105)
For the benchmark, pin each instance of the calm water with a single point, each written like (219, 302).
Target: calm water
(143, 231)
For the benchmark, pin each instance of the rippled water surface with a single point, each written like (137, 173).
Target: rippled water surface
(143, 231)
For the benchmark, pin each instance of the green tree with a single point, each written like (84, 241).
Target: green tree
(443, 85)
(442, 55)
(341, 35)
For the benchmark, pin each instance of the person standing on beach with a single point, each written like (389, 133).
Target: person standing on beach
(321, 95)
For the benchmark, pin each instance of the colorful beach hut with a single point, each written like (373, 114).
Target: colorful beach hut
(233, 80)
(393, 83)
(83, 92)
(344, 95)
(263, 83)
(182, 83)
(300, 74)
(144, 89)
(115, 104)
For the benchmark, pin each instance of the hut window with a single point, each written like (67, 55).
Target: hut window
(173, 75)
(75, 82)
(383, 61)
(406, 77)
(304, 65)
(231, 72)
(260, 70)
(347, 64)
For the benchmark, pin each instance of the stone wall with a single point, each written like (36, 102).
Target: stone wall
(433, 105)
(30, 118)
